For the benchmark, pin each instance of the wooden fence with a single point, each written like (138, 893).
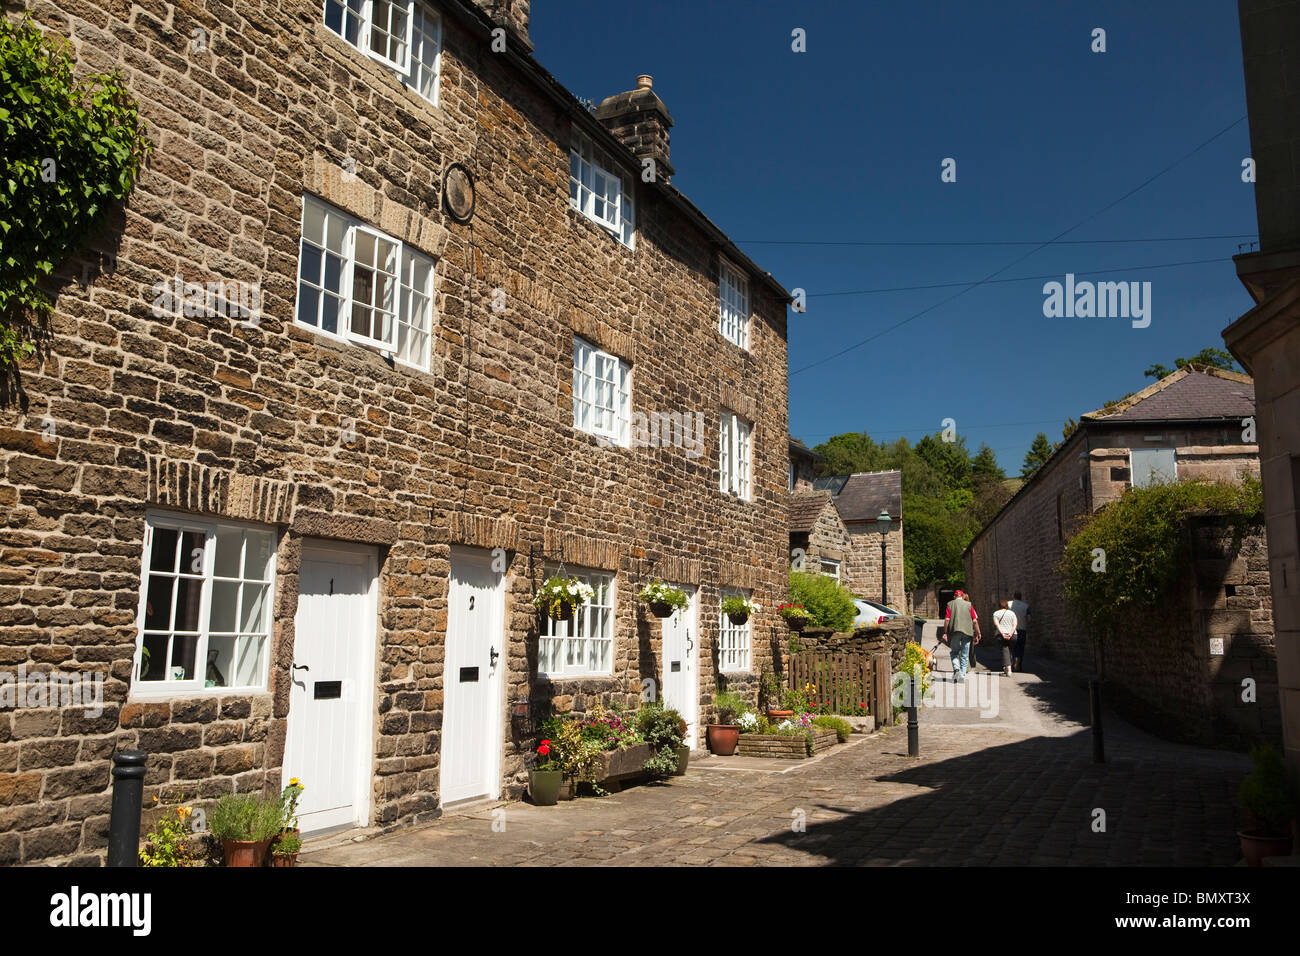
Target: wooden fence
(846, 681)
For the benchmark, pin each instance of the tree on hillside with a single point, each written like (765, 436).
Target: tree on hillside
(1038, 453)
(1207, 357)
(849, 453)
(949, 459)
(985, 465)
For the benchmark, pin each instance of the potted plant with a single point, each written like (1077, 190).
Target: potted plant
(796, 616)
(245, 823)
(289, 801)
(738, 609)
(772, 691)
(559, 596)
(286, 849)
(665, 730)
(545, 778)
(1268, 798)
(663, 598)
(725, 734)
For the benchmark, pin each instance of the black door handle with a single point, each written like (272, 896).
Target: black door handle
(495, 654)
(301, 667)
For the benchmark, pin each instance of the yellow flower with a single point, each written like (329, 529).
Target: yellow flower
(293, 782)
(155, 798)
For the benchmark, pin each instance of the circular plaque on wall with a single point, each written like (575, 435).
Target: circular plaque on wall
(458, 192)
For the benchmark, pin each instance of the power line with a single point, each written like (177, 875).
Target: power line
(903, 430)
(1053, 275)
(1146, 182)
(981, 242)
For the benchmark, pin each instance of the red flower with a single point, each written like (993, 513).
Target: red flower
(543, 749)
(862, 705)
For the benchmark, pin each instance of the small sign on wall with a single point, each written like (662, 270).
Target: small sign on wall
(1216, 647)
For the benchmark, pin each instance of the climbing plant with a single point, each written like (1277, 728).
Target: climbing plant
(69, 148)
(1133, 550)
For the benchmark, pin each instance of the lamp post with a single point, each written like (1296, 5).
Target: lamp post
(882, 522)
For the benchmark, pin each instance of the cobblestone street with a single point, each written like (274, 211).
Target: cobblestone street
(1011, 789)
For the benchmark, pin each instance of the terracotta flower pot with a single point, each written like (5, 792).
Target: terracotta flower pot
(544, 786)
(280, 859)
(723, 738)
(661, 609)
(776, 716)
(1255, 846)
(738, 619)
(683, 758)
(244, 853)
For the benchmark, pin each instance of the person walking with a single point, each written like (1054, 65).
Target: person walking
(1021, 610)
(1005, 619)
(962, 628)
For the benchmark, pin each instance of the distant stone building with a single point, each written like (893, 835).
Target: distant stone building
(1189, 423)
(860, 498)
(1266, 340)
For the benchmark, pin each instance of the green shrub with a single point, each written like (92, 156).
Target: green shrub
(841, 726)
(246, 816)
(729, 706)
(1268, 795)
(1142, 538)
(822, 596)
(71, 147)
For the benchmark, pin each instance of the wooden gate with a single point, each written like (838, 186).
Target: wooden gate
(844, 681)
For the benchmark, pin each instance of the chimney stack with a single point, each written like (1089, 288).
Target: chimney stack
(513, 15)
(640, 121)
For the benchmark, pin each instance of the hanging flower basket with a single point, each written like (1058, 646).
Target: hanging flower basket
(662, 598)
(738, 609)
(796, 616)
(559, 596)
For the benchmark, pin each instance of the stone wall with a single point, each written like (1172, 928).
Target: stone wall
(209, 417)
(1160, 670)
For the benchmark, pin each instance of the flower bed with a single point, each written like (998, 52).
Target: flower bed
(786, 746)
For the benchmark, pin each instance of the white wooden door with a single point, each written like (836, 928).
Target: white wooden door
(473, 678)
(331, 700)
(681, 655)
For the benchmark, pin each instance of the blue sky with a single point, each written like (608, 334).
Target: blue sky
(844, 144)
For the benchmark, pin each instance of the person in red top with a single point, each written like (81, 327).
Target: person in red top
(961, 633)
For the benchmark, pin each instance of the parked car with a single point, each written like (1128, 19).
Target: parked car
(871, 614)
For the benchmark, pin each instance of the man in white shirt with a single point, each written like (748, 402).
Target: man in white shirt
(1005, 619)
(1021, 610)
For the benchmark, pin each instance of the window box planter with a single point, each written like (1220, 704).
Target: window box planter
(786, 746)
(616, 766)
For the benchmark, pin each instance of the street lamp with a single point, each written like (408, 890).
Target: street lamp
(882, 522)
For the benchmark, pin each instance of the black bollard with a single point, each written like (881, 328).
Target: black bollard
(128, 798)
(1098, 742)
(913, 728)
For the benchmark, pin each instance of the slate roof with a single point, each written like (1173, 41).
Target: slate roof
(860, 497)
(805, 507)
(1186, 394)
(800, 449)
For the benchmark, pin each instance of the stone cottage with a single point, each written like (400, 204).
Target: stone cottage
(860, 499)
(488, 339)
(1192, 423)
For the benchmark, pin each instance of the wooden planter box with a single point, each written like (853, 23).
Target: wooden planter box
(785, 747)
(616, 766)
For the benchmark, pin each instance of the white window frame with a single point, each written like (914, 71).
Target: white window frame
(735, 454)
(588, 638)
(834, 566)
(733, 304)
(421, 64)
(590, 167)
(597, 374)
(1150, 471)
(207, 575)
(412, 318)
(735, 641)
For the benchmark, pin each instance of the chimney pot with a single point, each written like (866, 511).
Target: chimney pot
(645, 81)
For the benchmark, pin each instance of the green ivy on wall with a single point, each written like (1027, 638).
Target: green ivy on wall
(69, 148)
(1133, 551)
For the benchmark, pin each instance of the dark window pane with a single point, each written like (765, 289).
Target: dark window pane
(189, 594)
(158, 603)
(163, 553)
